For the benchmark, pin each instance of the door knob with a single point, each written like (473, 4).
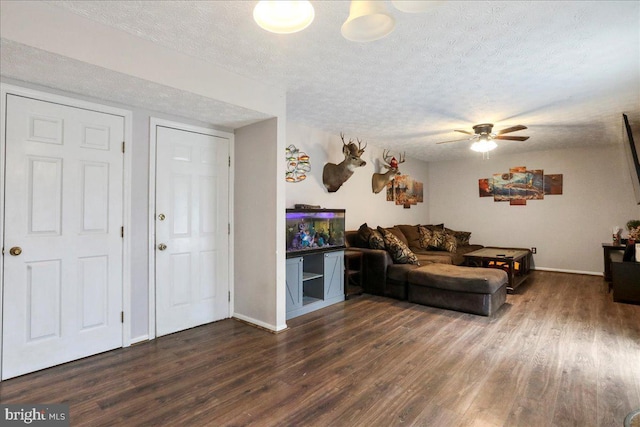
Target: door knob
(15, 251)
(161, 217)
(162, 246)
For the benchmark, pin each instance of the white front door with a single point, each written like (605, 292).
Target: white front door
(63, 247)
(191, 234)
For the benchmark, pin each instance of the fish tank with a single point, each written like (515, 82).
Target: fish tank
(314, 230)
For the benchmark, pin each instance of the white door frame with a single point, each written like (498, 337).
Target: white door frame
(5, 90)
(153, 124)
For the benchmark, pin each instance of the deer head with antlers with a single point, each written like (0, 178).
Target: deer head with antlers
(333, 176)
(380, 180)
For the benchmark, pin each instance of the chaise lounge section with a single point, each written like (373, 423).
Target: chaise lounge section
(468, 289)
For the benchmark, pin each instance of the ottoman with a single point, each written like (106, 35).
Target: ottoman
(467, 289)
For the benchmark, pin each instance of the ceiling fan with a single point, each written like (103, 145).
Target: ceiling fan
(483, 137)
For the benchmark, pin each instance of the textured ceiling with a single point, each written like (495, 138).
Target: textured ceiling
(566, 70)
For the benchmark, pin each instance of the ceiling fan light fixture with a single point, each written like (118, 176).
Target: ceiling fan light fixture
(367, 21)
(283, 17)
(483, 145)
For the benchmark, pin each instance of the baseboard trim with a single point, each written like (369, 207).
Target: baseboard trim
(138, 340)
(259, 323)
(562, 270)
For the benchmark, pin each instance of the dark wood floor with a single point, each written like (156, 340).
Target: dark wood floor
(559, 353)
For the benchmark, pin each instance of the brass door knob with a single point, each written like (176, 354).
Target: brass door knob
(15, 251)
(162, 246)
(161, 217)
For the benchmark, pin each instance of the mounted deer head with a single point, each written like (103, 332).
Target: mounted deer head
(333, 176)
(380, 180)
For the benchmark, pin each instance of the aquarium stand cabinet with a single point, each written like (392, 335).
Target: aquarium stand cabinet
(314, 281)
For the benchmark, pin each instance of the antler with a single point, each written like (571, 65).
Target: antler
(342, 137)
(361, 149)
(386, 157)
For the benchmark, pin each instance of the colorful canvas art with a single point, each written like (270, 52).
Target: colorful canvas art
(519, 185)
(297, 164)
(405, 191)
(485, 187)
(535, 179)
(501, 191)
(553, 184)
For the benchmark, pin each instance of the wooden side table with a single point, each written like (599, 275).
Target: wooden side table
(607, 249)
(626, 280)
(352, 273)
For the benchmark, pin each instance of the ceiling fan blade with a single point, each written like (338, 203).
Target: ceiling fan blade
(512, 138)
(511, 129)
(454, 140)
(464, 131)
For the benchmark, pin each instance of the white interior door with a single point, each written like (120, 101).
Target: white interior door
(63, 247)
(192, 229)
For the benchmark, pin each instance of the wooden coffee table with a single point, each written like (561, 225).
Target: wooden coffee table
(516, 262)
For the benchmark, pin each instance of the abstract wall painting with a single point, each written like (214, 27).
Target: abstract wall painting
(553, 184)
(519, 185)
(485, 187)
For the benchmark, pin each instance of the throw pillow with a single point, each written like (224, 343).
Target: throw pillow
(449, 243)
(425, 236)
(398, 233)
(376, 241)
(437, 239)
(362, 238)
(399, 252)
(434, 227)
(463, 237)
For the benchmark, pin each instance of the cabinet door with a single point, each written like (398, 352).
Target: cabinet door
(333, 274)
(294, 283)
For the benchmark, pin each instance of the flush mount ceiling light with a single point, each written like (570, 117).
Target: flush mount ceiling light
(413, 6)
(283, 17)
(367, 21)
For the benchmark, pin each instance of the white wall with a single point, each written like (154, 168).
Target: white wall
(355, 195)
(259, 226)
(568, 230)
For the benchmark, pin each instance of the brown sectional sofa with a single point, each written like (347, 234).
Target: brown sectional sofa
(381, 276)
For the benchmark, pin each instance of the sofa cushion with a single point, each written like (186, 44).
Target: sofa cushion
(460, 279)
(442, 257)
(399, 252)
(398, 272)
(411, 234)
